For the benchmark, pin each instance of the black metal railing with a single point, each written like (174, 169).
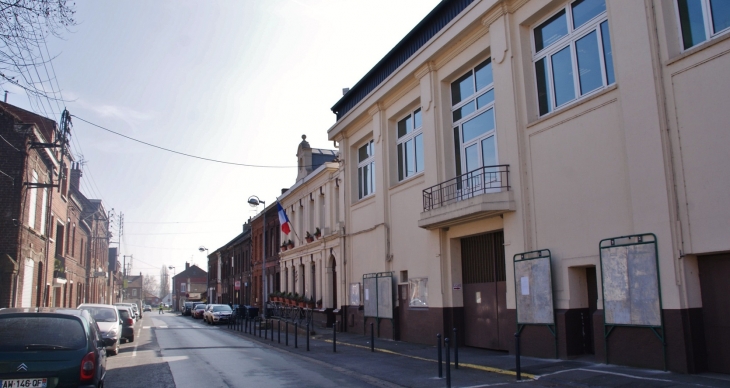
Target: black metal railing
(480, 181)
(59, 274)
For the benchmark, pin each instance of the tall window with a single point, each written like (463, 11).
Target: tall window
(410, 145)
(573, 54)
(365, 166)
(33, 194)
(700, 20)
(472, 111)
(44, 211)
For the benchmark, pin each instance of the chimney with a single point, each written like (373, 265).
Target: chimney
(345, 90)
(75, 175)
(187, 265)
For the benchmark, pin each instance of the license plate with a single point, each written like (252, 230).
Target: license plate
(15, 383)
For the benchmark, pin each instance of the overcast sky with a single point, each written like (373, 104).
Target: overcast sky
(235, 80)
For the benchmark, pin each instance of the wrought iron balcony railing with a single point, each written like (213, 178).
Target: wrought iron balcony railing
(484, 180)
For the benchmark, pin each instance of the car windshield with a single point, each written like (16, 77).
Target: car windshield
(124, 314)
(101, 314)
(200, 307)
(40, 333)
(221, 308)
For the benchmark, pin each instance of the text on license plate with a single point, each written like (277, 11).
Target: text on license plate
(15, 383)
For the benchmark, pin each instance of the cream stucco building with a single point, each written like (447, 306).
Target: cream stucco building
(501, 127)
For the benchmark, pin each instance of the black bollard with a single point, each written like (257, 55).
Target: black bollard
(266, 329)
(517, 356)
(278, 328)
(287, 333)
(307, 335)
(296, 335)
(456, 351)
(334, 337)
(448, 363)
(272, 329)
(438, 351)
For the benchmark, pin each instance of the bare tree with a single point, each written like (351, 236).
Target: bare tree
(150, 285)
(24, 27)
(164, 282)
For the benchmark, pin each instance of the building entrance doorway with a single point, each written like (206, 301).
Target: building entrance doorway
(714, 272)
(485, 291)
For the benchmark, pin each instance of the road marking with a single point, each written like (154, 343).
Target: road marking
(134, 352)
(473, 366)
(145, 327)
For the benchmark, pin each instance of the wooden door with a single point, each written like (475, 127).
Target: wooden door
(714, 272)
(485, 297)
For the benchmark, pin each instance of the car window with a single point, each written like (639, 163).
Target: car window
(222, 308)
(101, 314)
(124, 314)
(41, 333)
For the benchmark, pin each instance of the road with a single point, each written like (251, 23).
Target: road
(174, 351)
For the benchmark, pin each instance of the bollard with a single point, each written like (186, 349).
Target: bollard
(448, 363)
(296, 335)
(308, 335)
(266, 329)
(438, 351)
(272, 329)
(372, 338)
(456, 351)
(245, 327)
(334, 337)
(287, 333)
(278, 328)
(518, 372)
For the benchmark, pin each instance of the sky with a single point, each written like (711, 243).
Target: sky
(231, 80)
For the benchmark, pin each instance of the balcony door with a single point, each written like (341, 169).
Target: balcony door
(475, 139)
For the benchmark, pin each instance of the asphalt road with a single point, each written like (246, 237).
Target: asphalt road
(174, 351)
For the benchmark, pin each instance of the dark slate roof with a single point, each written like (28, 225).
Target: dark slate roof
(46, 125)
(437, 19)
(320, 157)
(193, 272)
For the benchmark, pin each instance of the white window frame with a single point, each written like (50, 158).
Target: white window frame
(33, 200)
(403, 140)
(44, 211)
(370, 163)
(477, 111)
(569, 40)
(706, 18)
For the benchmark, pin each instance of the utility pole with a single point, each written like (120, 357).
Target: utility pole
(124, 273)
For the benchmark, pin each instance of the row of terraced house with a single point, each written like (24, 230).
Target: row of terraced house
(589, 134)
(54, 241)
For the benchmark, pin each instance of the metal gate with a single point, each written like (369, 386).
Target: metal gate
(714, 272)
(485, 290)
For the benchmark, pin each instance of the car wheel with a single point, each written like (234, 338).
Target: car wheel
(131, 339)
(122, 340)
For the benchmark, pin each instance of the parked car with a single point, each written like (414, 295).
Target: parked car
(187, 308)
(147, 308)
(134, 308)
(107, 319)
(126, 315)
(198, 310)
(216, 313)
(51, 347)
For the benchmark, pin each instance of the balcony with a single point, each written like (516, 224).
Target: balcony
(59, 278)
(481, 193)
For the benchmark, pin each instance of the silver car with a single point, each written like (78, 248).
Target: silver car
(108, 321)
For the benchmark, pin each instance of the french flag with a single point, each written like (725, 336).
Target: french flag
(283, 219)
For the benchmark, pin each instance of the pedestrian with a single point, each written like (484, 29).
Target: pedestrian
(161, 312)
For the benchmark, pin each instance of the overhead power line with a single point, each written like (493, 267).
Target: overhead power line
(178, 152)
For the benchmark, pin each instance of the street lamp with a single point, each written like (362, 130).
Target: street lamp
(174, 302)
(255, 201)
(207, 278)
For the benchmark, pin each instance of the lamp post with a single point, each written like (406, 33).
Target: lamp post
(207, 278)
(255, 201)
(174, 291)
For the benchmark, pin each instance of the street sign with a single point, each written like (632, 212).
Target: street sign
(238, 285)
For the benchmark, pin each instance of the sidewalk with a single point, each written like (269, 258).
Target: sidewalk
(402, 364)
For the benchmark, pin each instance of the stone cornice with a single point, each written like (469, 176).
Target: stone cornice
(425, 69)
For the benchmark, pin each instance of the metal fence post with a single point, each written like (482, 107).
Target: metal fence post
(296, 335)
(438, 350)
(286, 326)
(307, 335)
(279, 330)
(372, 338)
(334, 337)
(266, 329)
(448, 363)
(518, 372)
